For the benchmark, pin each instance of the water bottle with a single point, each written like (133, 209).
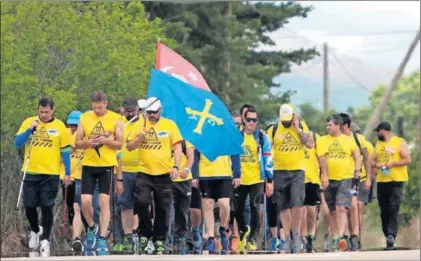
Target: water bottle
(385, 171)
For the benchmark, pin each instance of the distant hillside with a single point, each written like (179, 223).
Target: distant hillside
(307, 81)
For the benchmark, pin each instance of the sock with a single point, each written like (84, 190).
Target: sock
(47, 222)
(32, 216)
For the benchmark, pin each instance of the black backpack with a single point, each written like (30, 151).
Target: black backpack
(356, 140)
(275, 128)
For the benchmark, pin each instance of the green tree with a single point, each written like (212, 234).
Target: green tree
(66, 50)
(220, 39)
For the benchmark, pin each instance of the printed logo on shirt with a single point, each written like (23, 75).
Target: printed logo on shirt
(385, 152)
(290, 144)
(42, 139)
(52, 132)
(77, 154)
(151, 141)
(98, 131)
(163, 134)
(335, 151)
(248, 155)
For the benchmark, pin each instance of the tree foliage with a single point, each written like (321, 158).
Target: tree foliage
(220, 39)
(67, 50)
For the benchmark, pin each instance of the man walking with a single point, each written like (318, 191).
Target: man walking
(257, 168)
(391, 158)
(289, 137)
(46, 142)
(335, 152)
(157, 141)
(100, 134)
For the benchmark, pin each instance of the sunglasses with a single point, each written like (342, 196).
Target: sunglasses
(152, 112)
(252, 120)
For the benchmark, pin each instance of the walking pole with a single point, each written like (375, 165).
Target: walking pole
(264, 221)
(358, 211)
(24, 173)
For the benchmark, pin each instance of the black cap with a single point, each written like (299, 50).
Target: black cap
(130, 102)
(384, 125)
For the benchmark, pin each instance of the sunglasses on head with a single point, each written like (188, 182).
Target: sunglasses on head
(152, 112)
(251, 119)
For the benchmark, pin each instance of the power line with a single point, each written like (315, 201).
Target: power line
(349, 73)
(347, 34)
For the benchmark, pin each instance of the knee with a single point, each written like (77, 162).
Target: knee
(86, 200)
(224, 204)
(341, 209)
(208, 204)
(361, 206)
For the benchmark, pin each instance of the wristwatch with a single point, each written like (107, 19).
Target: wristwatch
(175, 167)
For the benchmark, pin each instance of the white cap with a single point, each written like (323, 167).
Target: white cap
(286, 112)
(141, 103)
(153, 104)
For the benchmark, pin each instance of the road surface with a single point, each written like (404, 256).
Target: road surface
(373, 255)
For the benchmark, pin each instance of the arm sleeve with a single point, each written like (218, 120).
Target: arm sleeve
(65, 155)
(267, 157)
(22, 138)
(236, 166)
(195, 167)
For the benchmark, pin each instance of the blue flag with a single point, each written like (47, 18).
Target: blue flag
(202, 118)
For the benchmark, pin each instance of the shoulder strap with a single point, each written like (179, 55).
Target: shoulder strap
(356, 139)
(183, 147)
(314, 138)
(261, 140)
(274, 129)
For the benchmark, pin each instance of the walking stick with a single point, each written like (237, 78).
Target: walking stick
(24, 173)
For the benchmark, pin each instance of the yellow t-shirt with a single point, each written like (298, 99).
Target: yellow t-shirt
(76, 156)
(183, 164)
(338, 151)
(130, 159)
(219, 168)
(250, 166)
(312, 172)
(391, 152)
(370, 150)
(288, 151)
(93, 127)
(48, 140)
(363, 144)
(155, 152)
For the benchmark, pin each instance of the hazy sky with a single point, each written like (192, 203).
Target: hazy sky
(359, 18)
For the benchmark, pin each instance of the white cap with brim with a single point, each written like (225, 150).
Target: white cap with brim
(153, 104)
(286, 112)
(141, 103)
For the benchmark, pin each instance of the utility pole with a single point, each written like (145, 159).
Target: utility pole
(325, 78)
(375, 118)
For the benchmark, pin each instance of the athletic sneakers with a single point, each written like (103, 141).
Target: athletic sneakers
(91, 237)
(296, 242)
(180, 246)
(211, 246)
(390, 242)
(274, 244)
(342, 244)
(34, 239)
(44, 248)
(303, 244)
(77, 245)
(159, 247)
(128, 244)
(150, 247)
(243, 239)
(102, 247)
(135, 244)
(354, 243)
(234, 244)
(252, 245)
(326, 242)
(225, 242)
(311, 241)
(117, 248)
(197, 240)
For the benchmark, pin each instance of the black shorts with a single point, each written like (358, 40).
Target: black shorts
(92, 175)
(312, 195)
(40, 190)
(339, 193)
(216, 188)
(289, 189)
(196, 198)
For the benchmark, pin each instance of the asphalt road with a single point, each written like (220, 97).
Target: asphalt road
(372, 255)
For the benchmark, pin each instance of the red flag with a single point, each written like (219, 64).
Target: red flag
(172, 63)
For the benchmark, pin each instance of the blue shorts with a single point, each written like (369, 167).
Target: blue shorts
(126, 200)
(40, 190)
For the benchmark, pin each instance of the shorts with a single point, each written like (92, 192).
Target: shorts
(126, 200)
(216, 188)
(312, 197)
(289, 189)
(40, 190)
(196, 198)
(92, 175)
(339, 193)
(364, 195)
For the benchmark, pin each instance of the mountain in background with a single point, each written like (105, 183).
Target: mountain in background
(346, 89)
